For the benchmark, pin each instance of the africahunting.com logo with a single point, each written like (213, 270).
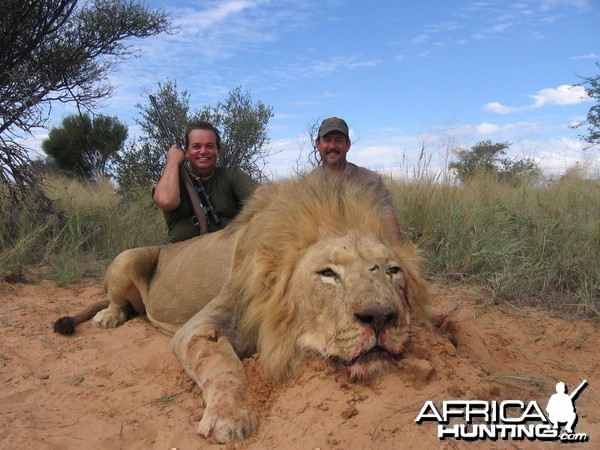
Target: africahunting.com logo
(510, 419)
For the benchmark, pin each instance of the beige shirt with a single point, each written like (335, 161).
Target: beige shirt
(368, 177)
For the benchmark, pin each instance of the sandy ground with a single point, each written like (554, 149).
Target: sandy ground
(123, 388)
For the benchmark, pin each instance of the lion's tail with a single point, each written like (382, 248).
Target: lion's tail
(66, 325)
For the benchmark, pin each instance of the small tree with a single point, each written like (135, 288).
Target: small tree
(514, 172)
(85, 146)
(486, 157)
(242, 125)
(136, 166)
(142, 162)
(58, 50)
(592, 88)
(314, 157)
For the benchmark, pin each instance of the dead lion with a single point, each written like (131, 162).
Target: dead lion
(307, 269)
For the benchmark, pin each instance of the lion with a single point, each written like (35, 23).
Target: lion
(308, 269)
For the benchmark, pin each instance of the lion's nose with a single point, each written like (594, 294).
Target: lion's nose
(377, 317)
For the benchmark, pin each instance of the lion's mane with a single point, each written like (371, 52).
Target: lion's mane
(277, 226)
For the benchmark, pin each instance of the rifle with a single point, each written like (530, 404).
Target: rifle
(198, 196)
(579, 388)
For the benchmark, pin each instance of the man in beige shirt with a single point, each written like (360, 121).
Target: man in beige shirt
(333, 144)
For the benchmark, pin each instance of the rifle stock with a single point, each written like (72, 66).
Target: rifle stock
(184, 176)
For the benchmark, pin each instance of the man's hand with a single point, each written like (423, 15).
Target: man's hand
(175, 155)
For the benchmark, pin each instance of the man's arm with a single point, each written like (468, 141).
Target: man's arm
(167, 195)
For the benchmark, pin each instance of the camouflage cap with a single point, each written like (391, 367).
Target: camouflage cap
(334, 124)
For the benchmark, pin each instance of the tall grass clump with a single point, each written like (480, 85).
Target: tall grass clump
(23, 234)
(91, 225)
(526, 241)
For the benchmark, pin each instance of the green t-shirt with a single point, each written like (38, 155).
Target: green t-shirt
(227, 190)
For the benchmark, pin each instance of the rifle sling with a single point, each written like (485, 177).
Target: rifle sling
(194, 199)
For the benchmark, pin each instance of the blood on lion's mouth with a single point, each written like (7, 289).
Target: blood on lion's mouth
(375, 354)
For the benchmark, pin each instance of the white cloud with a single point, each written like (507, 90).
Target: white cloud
(486, 128)
(557, 155)
(562, 95)
(565, 94)
(364, 63)
(334, 64)
(498, 108)
(581, 5)
(210, 17)
(587, 56)
(420, 39)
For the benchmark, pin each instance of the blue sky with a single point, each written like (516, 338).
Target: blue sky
(404, 75)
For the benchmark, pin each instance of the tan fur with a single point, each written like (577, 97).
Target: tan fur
(277, 228)
(307, 269)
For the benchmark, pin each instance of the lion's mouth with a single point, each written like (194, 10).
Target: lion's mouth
(374, 354)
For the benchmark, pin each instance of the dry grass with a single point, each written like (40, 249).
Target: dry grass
(535, 242)
(92, 225)
(531, 242)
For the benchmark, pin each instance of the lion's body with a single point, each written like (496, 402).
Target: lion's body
(179, 279)
(307, 269)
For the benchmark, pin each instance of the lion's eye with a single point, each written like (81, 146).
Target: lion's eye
(394, 270)
(329, 273)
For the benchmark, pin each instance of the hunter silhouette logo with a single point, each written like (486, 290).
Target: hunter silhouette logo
(561, 407)
(509, 419)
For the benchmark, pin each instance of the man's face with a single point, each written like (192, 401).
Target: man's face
(333, 148)
(202, 151)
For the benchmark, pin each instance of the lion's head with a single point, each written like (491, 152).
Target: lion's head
(315, 273)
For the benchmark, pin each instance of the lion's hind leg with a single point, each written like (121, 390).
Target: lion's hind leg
(111, 317)
(126, 282)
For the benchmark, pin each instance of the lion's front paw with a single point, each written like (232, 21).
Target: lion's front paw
(111, 317)
(222, 425)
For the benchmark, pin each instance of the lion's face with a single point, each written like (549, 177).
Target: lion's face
(357, 311)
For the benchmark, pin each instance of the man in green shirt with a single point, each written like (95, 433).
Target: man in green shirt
(228, 189)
